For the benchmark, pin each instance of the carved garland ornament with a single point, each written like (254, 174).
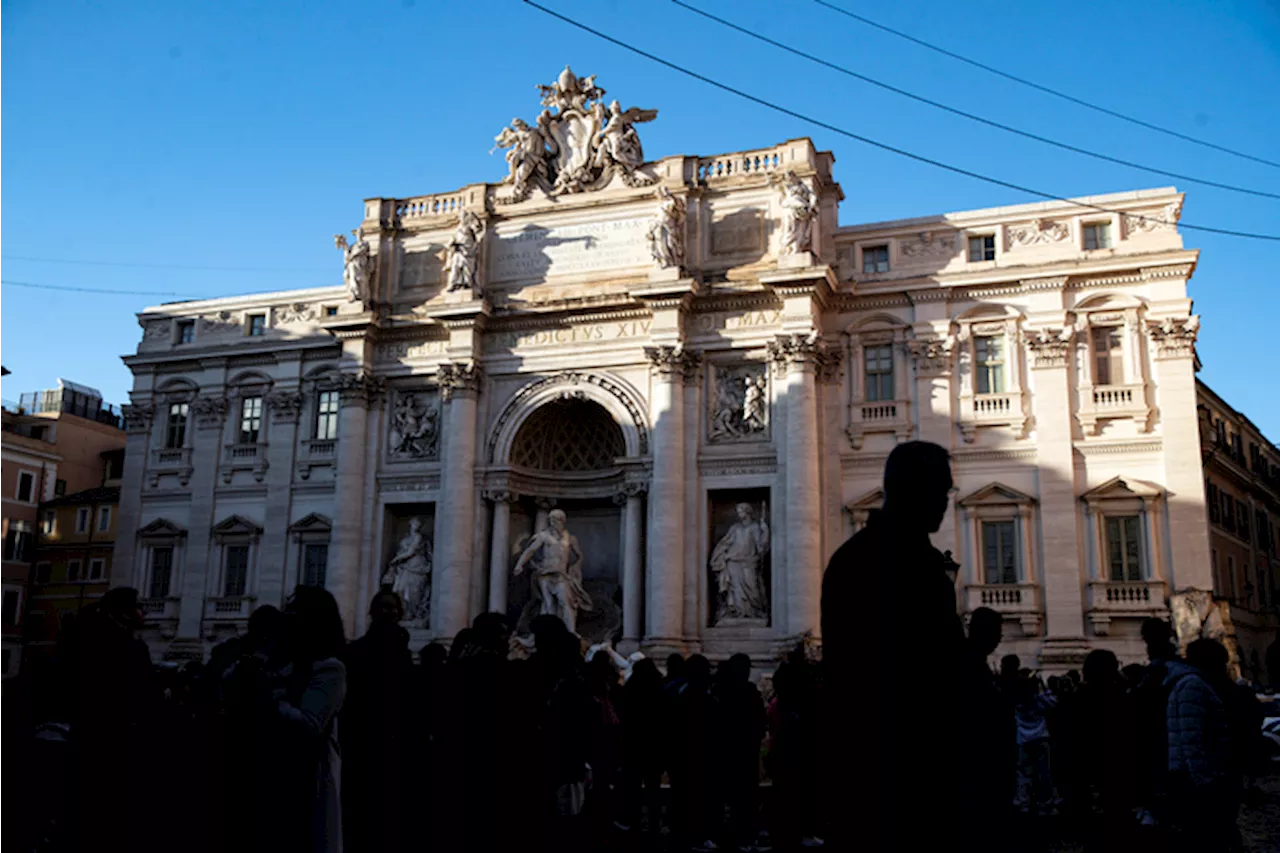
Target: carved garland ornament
(1050, 347)
(1037, 232)
(571, 378)
(1168, 219)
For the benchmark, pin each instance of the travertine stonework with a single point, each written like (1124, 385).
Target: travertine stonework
(622, 339)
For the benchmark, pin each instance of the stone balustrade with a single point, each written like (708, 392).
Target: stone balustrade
(740, 164)
(231, 607)
(1013, 601)
(427, 206)
(1109, 599)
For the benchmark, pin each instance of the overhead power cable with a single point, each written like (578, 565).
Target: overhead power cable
(104, 290)
(1046, 89)
(145, 265)
(971, 116)
(881, 145)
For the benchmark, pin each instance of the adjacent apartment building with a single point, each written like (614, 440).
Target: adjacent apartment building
(59, 540)
(1242, 492)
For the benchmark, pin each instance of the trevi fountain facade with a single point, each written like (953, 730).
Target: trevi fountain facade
(653, 396)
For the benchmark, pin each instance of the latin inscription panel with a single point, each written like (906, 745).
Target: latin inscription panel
(536, 252)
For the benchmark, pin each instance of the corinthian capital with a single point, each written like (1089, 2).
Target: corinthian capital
(209, 411)
(459, 378)
(1175, 337)
(804, 351)
(359, 389)
(1049, 347)
(675, 361)
(931, 355)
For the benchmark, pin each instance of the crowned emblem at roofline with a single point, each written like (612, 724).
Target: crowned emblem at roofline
(577, 148)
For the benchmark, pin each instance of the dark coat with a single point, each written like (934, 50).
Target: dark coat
(893, 650)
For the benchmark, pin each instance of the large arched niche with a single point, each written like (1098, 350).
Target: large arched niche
(617, 398)
(568, 435)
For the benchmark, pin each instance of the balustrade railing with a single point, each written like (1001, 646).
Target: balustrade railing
(741, 163)
(427, 206)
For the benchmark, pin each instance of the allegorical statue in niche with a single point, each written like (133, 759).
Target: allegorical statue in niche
(666, 230)
(556, 559)
(464, 252)
(357, 266)
(409, 574)
(799, 207)
(737, 563)
(416, 428)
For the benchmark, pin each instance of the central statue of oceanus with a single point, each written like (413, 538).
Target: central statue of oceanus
(577, 143)
(556, 558)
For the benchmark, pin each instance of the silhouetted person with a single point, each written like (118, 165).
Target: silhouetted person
(1202, 794)
(113, 710)
(739, 725)
(992, 756)
(677, 672)
(1102, 722)
(643, 748)
(307, 698)
(1151, 699)
(606, 740)
(884, 681)
(692, 741)
(791, 756)
(376, 731)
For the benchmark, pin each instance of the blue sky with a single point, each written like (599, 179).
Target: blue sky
(245, 134)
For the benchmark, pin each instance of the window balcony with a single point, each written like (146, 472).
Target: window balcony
(244, 457)
(881, 416)
(1003, 409)
(1124, 599)
(233, 608)
(1105, 402)
(170, 460)
(317, 453)
(1012, 601)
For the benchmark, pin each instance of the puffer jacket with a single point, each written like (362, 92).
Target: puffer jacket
(1199, 736)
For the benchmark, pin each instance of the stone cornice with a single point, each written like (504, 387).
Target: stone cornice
(543, 321)
(1107, 448)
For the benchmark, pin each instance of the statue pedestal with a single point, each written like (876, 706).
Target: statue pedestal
(797, 260)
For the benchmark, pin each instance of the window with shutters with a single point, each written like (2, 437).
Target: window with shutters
(1108, 355)
(999, 552)
(878, 373)
(175, 435)
(1124, 547)
(235, 570)
(161, 574)
(988, 359)
(250, 420)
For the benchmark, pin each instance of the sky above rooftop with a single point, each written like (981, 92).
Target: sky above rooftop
(244, 135)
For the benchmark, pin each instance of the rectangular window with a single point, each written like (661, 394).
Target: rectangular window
(59, 488)
(44, 572)
(235, 570)
(999, 552)
(104, 519)
(17, 542)
(50, 522)
(73, 570)
(982, 248)
(1231, 578)
(186, 331)
(82, 520)
(315, 557)
(11, 599)
(1097, 235)
(1108, 356)
(879, 372)
(97, 568)
(1242, 520)
(256, 324)
(161, 571)
(327, 415)
(1211, 499)
(1124, 547)
(331, 310)
(26, 485)
(875, 259)
(176, 428)
(1228, 513)
(250, 420)
(988, 356)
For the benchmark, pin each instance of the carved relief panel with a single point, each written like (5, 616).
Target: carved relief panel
(738, 403)
(414, 431)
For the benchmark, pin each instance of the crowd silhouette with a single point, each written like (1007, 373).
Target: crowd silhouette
(901, 736)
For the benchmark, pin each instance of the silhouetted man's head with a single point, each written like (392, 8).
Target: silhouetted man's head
(1009, 666)
(917, 485)
(1210, 657)
(1158, 635)
(386, 609)
(1101, 668)
(986, 629)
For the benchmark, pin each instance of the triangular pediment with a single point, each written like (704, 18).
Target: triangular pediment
(236, 525)
(162, 527)
(873, 499)
(996, 494)
(1121, 488)
(313, 523)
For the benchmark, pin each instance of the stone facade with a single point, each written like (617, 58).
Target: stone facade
(648, 346)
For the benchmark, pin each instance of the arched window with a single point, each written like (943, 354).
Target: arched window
(568, 435)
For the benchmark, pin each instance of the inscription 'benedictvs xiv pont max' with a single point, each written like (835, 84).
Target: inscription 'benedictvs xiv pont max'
(695, 362)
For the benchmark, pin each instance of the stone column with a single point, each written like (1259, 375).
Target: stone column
(138, 420)
(664, 594)
(456, 515)
(1173, 365)
(632, 583)
(796, 358)
(285, 406)
(499, 551)
(933, 353)
(210, 413)
(1063, 590)
(357, 393)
